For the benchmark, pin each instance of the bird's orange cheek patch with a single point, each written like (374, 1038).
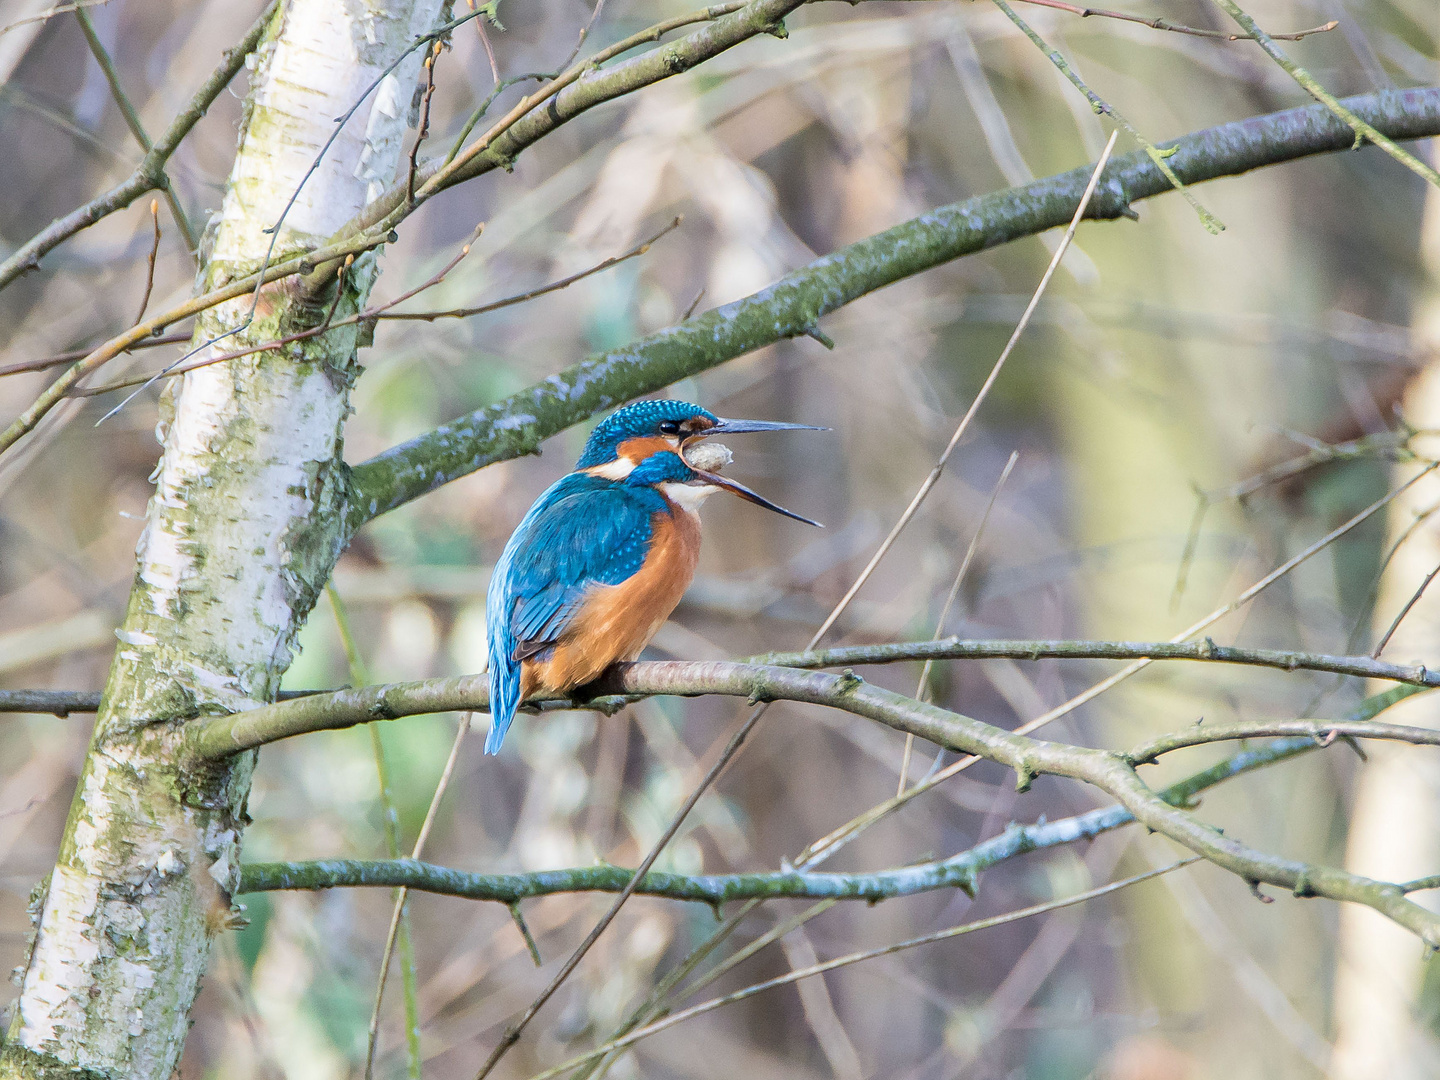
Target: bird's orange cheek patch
(637, 450)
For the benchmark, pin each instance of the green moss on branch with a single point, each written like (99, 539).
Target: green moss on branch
(793, 305)
(958, 871)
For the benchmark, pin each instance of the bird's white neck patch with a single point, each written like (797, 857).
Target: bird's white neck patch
(618, 469)
(687, 496)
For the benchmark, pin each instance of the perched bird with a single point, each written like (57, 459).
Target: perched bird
(605, 554)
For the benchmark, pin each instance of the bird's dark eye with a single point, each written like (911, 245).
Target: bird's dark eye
(669, 427)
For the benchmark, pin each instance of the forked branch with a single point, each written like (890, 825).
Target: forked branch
(149, 175)
(1028, 757)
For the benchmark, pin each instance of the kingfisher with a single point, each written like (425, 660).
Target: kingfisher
(602, 558)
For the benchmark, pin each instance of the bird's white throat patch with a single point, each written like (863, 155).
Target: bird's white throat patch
(687, 496)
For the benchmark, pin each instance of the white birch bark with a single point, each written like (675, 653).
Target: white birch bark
(242, 532)
(1395, 822)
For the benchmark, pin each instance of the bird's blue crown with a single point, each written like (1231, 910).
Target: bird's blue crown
(638, 420)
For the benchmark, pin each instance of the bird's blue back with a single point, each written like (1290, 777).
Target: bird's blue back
(582, 532)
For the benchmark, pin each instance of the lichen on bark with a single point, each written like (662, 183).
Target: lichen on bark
(241, 534)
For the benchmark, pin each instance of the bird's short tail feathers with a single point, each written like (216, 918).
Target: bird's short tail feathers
(504, 692)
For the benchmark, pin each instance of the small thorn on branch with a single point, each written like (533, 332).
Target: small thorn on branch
(819, 335)
(693, 305)
(525, 933)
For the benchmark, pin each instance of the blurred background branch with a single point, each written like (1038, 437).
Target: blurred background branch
(1188, 412)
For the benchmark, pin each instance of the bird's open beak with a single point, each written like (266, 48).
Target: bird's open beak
(740, 427)
(751, 496)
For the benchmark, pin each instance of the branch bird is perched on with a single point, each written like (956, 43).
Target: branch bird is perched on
(603, 557)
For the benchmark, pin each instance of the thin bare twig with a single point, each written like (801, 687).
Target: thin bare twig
(70, 357)
(400, 924)
(838, 838)
(403, 893)
(132, 121)
(150, 262)
(922, 687)
(50, 12)
(1394, 444)
(1176, 28)
(485, 42)
(512, 1034)
(980, 396)
(693, 305)
(1219, 613)
(259, 279)
(64, 702)
(1211, 223)
(143, 381)
(789, 977)
(584, 33)
(146, 175)
(1311, 85)
(382, 311)
(1400, 616)
(639, 249)
(424, 131)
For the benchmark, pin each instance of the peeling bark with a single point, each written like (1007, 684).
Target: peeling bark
(242, 532)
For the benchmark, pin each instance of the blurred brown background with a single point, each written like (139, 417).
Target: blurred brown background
(1163, 360)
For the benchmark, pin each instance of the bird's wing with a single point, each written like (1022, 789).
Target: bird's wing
(598, 536)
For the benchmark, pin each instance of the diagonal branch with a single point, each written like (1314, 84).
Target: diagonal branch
(137, 129)
(1363, 131)
(577, 90)
(794, 305)
(150, 173)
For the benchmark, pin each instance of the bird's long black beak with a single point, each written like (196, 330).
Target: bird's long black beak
(750, 496)
(741, 427)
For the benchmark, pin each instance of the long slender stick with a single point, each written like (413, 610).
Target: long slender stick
(383, 311)
(852, 958)
(401, 896)
(64, 702)
(150, 262)
(1225, 609)
(512, 1034)
(1400, 615)
(923, 686)
(1176, 28)
(984, 391)
(400, 926)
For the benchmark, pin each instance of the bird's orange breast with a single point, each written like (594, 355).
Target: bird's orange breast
(617, 621)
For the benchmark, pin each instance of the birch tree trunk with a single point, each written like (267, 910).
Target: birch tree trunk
(1395, 823)
(243, 530)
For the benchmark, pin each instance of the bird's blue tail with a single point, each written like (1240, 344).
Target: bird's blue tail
(504, 669)
(504, 700)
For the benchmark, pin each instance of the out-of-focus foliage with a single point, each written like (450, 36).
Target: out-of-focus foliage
(1163, 360)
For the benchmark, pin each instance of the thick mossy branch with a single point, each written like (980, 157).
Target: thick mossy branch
(958, 871)
(1028, 757)
(793, 305)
